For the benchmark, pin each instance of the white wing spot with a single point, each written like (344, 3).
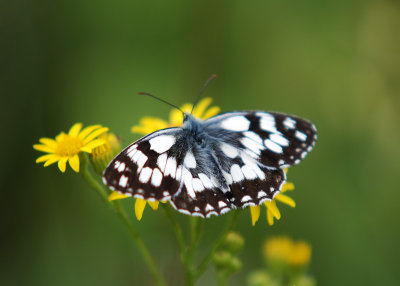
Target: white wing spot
(229, 150)
(209, 208)
(162, 161)
(236, 123)
(272, 146)
(236, 173)
(221, 204)
(197, 185)
(165, 193)
(131, 154)
(136, 156)
(254, 136)
(206, 181)
(279, 139)
(121, 167)
(267, 123)
(196, 209)
(228, 177)
(141, 161)
(162, 143)
(253, 164)
(289, 123)
(178, 173)
(300, 135)
(187, 179)
(248, 172)
(145, 175)
(132, 148)
(261, 194)
(123, 181)
(190, 161)
(156, 178)
(252, 145)
(116, 164)
(246, 199)
(170, 167)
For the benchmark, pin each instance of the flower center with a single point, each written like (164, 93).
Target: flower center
(69, 146)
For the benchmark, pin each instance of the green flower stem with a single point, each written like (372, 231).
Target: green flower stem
(196, 224)
(119, 210)
(177, 230)
(206, 260)
(222, 278)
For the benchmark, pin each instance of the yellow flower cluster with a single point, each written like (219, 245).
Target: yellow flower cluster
(67, 146)
(285, 250)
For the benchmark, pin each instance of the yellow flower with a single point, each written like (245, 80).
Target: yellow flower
(150, 124)
(102, 154)
(285, 250)
(140, 204)
(272, 209)
(67, 147)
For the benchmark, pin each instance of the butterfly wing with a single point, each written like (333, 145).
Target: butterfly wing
(148, 168)
(276, 140)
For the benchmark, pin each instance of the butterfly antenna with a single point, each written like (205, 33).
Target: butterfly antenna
(162, 100)
(202, 90)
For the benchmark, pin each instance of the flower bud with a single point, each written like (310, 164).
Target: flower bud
(233, 242)
(103, 154)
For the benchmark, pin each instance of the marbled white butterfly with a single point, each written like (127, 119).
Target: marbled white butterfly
(209, 167)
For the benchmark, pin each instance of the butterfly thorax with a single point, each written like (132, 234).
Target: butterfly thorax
(194, 129)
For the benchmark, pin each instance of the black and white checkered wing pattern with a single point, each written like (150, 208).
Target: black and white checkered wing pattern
(148, 168)
(274, 139)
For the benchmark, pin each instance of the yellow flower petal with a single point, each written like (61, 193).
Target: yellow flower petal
(274, 209)
(116, 196)
(211, 112)
(149, 125)
(62, 164)
(45, 158)
(255, 214)
(175, 118)
(288, 186)
(270, 217)
(139, 208)
(85, 132)
(60, 137)
(94, 134)
(86, 149)
(74, 131)
(74, 162)
(153, 205)
(44, 148)
(201, 107)
(52, 160)
(95, 143)
(49, 142)
(286, 200)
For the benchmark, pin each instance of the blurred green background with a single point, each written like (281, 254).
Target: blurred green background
(336, 63)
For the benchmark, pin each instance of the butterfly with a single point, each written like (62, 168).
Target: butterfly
(210, 167)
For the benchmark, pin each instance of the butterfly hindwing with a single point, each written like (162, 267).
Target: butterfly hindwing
(274, 139)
